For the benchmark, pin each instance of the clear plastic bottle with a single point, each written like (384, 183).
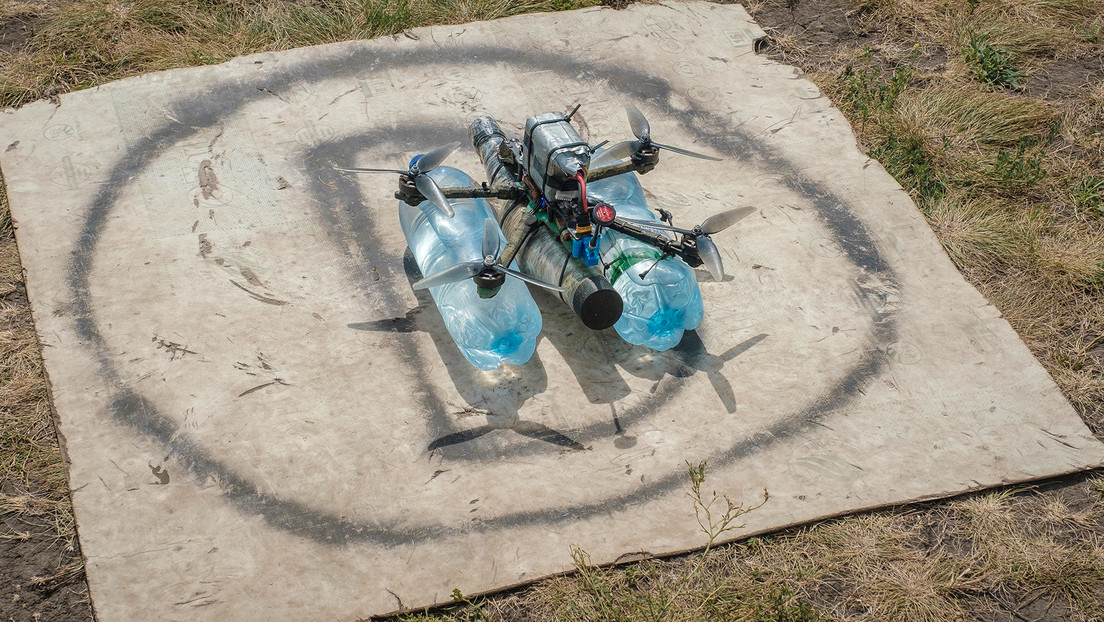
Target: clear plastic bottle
(665, 301)
(488, 331)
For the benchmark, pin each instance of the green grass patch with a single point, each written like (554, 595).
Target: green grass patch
(868, 91)
(1088, 195)
(1091, 31)
(908, 157)
(991, 64)
(1022, 167)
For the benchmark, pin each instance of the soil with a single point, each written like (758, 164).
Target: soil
(15, 32)
(1066, 78)
(34, 584)
(826, 29)
(821, 26)
(37, 582)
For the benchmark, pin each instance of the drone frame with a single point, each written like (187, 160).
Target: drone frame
(685, 247)
(579, 220)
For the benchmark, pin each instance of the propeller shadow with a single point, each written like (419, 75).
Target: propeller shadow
(592, 355)
(688, 358)
(498, 396)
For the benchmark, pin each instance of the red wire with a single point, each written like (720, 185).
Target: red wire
(581, 177)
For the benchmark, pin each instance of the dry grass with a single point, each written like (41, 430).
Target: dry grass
(986, 554)
(1022, 25)
(974, 119)
(978, 233)
(1011, 183)
(1040, 544)
(82, 43)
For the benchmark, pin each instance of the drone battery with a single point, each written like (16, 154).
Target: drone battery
(554, 154)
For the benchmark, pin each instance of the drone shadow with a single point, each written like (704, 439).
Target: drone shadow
(688, 358)
(497, 395)
(594, 357)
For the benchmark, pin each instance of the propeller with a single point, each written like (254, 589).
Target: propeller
(490, 248)
(643, 132)
(417, 172)
(707, 249)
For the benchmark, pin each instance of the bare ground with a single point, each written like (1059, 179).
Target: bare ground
(42, 574)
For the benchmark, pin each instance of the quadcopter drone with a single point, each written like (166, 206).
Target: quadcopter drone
(551, 225)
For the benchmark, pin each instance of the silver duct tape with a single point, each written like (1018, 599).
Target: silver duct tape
(538, 252)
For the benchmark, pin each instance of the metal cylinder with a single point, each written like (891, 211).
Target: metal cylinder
(486, 136)
(538, 252)
(588, 293)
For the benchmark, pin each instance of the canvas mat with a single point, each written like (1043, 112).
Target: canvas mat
(261, 415)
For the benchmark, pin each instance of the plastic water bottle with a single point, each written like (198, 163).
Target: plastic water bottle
(488, 331)
(661, 296)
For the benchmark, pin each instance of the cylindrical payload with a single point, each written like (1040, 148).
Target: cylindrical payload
(539, 253)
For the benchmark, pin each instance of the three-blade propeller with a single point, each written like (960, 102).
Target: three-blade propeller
(707, 249)
(491, 246)
(417, 172)
(643, 132)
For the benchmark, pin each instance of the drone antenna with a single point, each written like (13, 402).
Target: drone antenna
(644, 273)
(573, 111)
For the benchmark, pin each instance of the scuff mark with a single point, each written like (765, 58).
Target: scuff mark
(211, 145)
(334, 100)
(401, 605)
(260, 297)
(251, 277)
(261, 386)
(174, 349)
(437, 473)
(269, 91)
(162, 475)
(208, 182)
(205, 245)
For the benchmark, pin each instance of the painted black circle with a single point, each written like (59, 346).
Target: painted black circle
(224, 98)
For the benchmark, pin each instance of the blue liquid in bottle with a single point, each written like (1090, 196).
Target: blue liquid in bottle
(661, 296)
(488, 331)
